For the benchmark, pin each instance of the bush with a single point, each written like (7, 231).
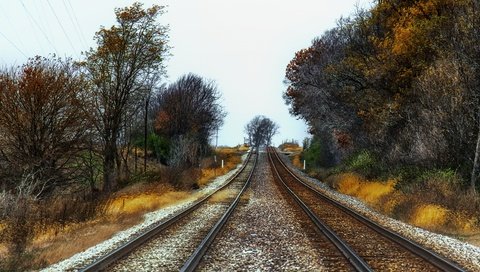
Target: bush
(317, 155)
(158, 145)
(364, 162)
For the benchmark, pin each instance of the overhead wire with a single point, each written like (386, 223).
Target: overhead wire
(8, 21)
(76, 27)
(61, 26)
(13, 44)
(78, 23)
(38, 26)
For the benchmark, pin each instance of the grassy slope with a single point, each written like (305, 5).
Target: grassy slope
(434, 205)
(123, 210)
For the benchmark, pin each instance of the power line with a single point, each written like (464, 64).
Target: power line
(77, 23)
(61, 26)
(14, 45)
(72, 21)
(42, 10)
(38, 25)
(9, 22)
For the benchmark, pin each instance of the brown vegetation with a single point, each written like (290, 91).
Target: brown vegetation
(401, 80)
(434, 205)
(60, 227)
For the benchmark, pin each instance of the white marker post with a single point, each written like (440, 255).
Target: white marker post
(222, 163)
(303, 164)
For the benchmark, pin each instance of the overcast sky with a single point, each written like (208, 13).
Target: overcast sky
(244, 45)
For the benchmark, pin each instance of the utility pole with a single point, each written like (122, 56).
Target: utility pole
(145, 134)
(215, 155)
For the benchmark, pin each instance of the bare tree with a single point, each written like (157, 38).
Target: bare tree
(42, 126)
(260, 131)
(189, 109)
(124, 68)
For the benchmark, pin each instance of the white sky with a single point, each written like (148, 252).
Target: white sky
(244, 45)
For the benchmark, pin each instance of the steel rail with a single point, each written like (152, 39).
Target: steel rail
(193, 261)
(133, 244)
(433, 258)
(355, 260)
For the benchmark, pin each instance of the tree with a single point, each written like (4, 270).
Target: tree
(463, 43)
(260, 131)
(188, 113)
(42, 126)
(403, 77)
(124, 68)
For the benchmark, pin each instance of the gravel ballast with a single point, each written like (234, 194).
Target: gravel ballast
(82, 259)
(267, 232)
(468, 256)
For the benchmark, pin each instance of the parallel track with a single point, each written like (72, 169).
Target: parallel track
(380, 248)
(121, 252)
(197, 255)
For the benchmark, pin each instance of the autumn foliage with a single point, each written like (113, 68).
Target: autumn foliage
(41, 125)
(400, 79)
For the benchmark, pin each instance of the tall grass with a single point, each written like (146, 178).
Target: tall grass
(66, 223)
(433, 199)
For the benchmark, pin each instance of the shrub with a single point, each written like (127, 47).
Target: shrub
(317, 155)
(158, 145)
(365, 163)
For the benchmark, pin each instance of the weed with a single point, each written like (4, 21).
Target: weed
(223, 195)
(296, 161)
(429, 216)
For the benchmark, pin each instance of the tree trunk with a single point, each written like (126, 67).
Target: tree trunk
(476, 163)
(136, 159)
(109, 158)
(145, 134)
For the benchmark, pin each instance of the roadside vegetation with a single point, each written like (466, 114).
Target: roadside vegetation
(391, 98)
(65, 226)
(88, 146)
(432, 199)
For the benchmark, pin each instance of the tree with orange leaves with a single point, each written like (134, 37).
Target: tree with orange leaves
(42, 125)
(124, 69)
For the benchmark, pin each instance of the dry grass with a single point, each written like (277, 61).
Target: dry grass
(243, 148)
(429, 216)
(434, 205)
(231, 158)
(52, 248)
(290, 147)
(124, 210)
(369, 191)
(297, 162)
(55, 241)
(223, 195)
(140, 203)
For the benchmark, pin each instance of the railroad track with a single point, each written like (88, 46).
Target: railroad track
(367, 245)
(270, 233)
(185, 234)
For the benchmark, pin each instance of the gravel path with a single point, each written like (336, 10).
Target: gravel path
(82, 259)
(268, 233)
(465, 254)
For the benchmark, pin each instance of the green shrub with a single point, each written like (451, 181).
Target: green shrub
(361, 160)
(317, 155)
(449, 176)
(365, 163)
(158, 145)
